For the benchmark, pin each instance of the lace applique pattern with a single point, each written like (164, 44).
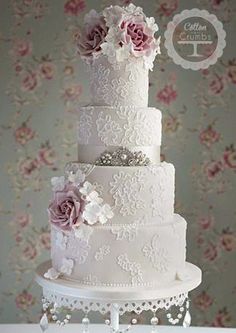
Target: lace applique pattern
(91, 279)
(126, 191)
(85, 126)
(108, 130)
(125, 232)
(133, 268)
(77, 249)
(102, 252)
(157, 254)
(139, 129)
(120, 84)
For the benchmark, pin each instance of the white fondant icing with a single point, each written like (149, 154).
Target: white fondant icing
(136, 192)
(155, 257)
(110, 127)
(123, 84)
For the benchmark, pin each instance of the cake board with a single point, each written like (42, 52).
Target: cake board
(64, 293)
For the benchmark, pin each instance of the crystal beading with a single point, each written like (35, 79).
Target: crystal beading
(123, 157)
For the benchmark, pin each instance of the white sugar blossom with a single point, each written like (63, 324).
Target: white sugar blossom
(77, 178)
(113, 15)
(92, 17)
(86, 189)
(152, 24)
(58, 183)
(61, 240)
(90, 195)
(67, 266)
(131, 9)
(83, 232)
(105, 214)
(52, 274)
(94, 197)
(94, 213)
(91, 212)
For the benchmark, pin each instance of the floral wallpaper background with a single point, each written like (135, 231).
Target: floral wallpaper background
(42, 80)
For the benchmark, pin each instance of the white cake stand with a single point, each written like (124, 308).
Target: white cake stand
(63, 293)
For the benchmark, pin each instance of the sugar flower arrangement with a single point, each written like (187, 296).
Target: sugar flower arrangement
(76, 204)
(119, 33)
(76, 207)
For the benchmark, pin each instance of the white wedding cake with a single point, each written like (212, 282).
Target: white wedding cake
(112, 213)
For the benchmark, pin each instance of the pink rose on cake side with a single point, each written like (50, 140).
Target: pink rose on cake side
(65, 211)
(93, 35)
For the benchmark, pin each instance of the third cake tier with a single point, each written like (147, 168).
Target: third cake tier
(135, 194)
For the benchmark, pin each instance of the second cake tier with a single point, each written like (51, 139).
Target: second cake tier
(104, 128)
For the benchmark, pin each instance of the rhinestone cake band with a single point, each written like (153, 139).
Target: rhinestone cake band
(123, 157)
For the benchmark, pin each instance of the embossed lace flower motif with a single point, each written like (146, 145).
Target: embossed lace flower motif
(58, 183)
(102, 252)
(125, 232)
(84, 127)
(133, 268)
(83, 232)
(125, 189)
(67, 266)
(78, 249)
(157, 254)
(61, 240)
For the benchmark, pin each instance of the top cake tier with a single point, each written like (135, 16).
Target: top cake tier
(125, 84)
(119, 48)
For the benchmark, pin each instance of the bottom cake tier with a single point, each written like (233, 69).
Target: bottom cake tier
(125, 255)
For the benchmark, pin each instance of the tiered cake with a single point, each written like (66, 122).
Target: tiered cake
(112, 215)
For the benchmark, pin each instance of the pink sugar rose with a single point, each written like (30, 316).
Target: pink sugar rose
(135, 32)
(65, 210)
(93, 34)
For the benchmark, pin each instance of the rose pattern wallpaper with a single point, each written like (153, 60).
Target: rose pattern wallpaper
(42, 81)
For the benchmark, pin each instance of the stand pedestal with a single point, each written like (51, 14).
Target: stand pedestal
(62, 293)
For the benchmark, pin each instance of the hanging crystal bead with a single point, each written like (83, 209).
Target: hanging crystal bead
(154, 322)
(187, 319)
(44, 322)
(85, 322)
